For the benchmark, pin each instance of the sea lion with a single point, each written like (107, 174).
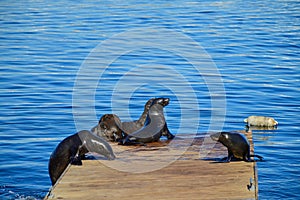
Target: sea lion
(108, 127)
(261, 121)
(73, 148)
(237, 145)
(131, 127)
(155, 125)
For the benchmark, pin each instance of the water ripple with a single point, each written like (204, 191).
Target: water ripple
(255, 45)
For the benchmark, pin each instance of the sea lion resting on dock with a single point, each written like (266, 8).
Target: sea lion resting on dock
(237, 145)
(73, 148)
(108, 128)
(260, 121)
(155, 125)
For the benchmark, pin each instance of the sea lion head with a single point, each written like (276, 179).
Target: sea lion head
(222, 137)
(229, 139)
(162, 101)
(109, 125)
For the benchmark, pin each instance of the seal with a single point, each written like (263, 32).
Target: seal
(73, 148)
(237, 145)
(108, 128)
(155, 125)
(260, 121)
(131, 127)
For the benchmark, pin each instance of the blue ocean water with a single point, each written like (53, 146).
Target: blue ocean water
(255, 47)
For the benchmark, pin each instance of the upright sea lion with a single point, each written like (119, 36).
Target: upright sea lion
(72, 149)
(155, 125)
(261, 121)
(237, 145)
(131, 127)
(108, 127)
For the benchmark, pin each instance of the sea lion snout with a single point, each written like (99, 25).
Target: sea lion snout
(215, 136)
(109, 127)
(161, 101)
(166, 101)
(223, 137)
(111, 157)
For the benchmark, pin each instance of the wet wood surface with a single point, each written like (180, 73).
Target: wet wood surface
(185, 168)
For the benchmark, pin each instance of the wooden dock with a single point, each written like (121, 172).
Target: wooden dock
(182, 169)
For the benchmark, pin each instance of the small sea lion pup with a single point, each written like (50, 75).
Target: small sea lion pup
(73, 148)
(108, 128)
(155, 125)
(237, 145)
(260, 121)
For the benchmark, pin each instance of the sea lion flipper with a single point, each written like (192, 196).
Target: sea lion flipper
(258, 156)
(170, 136)
(224, 159)
(130, 141)
(124, 141)
(167, 133)
(76, 160)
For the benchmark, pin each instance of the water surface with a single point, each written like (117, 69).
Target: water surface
(255, 46)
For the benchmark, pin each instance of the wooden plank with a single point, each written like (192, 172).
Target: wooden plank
(161, 170)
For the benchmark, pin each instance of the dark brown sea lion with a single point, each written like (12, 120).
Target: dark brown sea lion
(73, 148)
(155, 125)
(108, 127)
(237, 145)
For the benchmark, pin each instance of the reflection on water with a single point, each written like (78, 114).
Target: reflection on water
(252, 128)
(255, 46)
